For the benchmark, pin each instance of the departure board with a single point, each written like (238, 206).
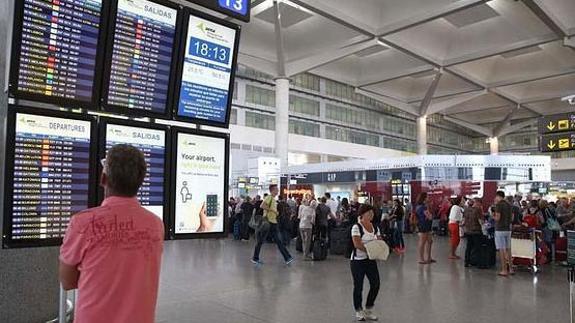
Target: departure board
(59, 47)
(50, 176)
(209, 61)
(141, 63)
(152, 142)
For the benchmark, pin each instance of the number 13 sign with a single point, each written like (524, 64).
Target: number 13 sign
(237, 6)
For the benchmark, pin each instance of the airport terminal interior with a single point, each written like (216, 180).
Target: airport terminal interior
(318, 130)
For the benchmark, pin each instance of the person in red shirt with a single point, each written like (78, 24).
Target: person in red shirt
(113, 253)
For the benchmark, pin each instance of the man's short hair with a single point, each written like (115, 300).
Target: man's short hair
(273, 187)
(328, 196)
(323, 200)
(125, 169)
(501, 194)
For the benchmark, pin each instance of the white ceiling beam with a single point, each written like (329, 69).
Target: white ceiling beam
(449, 103)
(428, 16)
(280, 50)
(518, 126)
(424, 105)
(402, 74)
(569, 42)
(494, 51)
(327, 11)
(505, 122)
(258, 64)
(480, 129)
(328, 56)
(391, 101)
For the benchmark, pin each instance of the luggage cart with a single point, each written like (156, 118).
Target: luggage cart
(524, 249)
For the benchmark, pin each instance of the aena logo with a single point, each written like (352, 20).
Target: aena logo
(205, 29)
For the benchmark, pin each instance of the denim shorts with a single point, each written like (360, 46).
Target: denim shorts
(502, 240)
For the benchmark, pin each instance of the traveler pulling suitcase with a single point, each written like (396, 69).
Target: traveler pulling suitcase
(319, 249)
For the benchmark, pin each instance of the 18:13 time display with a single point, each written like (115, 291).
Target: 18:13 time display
(209, 50)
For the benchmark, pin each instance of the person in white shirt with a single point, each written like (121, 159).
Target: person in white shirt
(333, 205)
(455, 223)
(306, 218)
(362, 233)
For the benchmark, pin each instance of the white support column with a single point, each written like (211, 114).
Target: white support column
(421, 124)
(282, 120)
(494, 145)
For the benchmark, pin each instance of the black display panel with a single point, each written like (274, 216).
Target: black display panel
(199, 183)
(208, 60)
(143, 49)
(49, 174)
(56, 52)
(153, 141)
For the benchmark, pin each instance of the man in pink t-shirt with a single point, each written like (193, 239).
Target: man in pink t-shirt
(113, 253)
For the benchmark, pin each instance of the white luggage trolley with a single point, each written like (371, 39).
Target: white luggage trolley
(524, 249)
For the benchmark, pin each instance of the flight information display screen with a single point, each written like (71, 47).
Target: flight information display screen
(208, 69)
(141, 63)
(50, 176)
(152, 142)
(59, 46)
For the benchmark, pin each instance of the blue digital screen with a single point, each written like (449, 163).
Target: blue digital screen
(237, 6)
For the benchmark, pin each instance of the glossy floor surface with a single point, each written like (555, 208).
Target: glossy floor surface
(214, 281)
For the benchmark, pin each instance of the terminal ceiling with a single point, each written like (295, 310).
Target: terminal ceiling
(477, 62)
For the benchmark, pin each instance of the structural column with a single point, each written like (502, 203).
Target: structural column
(494, 145)
(282, 120)
(421, 130)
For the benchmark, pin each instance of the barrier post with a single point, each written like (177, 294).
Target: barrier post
(62, 307)
(572, 292)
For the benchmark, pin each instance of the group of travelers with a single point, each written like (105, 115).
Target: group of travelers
(91, 242)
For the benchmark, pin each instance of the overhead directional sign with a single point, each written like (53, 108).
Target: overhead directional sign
(557, 123)
(239, 9)
(557, 142)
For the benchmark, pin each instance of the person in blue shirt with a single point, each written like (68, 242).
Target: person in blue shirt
(424, 224)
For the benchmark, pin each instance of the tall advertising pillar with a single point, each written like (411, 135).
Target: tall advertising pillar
(421, 124)
(282, 120)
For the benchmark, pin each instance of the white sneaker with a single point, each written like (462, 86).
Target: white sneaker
(368, 314)
(360, 316)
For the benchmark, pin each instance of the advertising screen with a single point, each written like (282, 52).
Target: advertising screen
(208, 68)
(152, 142)
(200, 183)
(50, 177)
(142, 50)
(57, 56)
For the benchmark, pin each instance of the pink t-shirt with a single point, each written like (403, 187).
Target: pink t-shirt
(118, 250)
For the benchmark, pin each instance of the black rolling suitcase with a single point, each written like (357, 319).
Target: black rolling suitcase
(319, 249)
(299, 243)
(484, 255)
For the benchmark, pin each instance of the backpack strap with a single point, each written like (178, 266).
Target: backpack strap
(361, 232)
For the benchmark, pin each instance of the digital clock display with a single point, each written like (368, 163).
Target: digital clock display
(206, 79)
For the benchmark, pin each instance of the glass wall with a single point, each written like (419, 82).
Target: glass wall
(260, 96)
(306, 81)
(304, 128)
(367, 119)
(347, 135)
(260, 120)
(302, 105)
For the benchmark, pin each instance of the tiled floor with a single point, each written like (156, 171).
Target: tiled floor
(213, 281)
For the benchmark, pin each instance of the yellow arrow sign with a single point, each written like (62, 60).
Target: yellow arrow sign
(551, 126)
(551, 144)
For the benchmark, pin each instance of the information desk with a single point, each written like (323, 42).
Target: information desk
(152, 140)
(56, 50)
(49, 175)
(142, 56)
(207, 73)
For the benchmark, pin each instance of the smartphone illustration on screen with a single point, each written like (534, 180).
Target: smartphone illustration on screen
(212, 205)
